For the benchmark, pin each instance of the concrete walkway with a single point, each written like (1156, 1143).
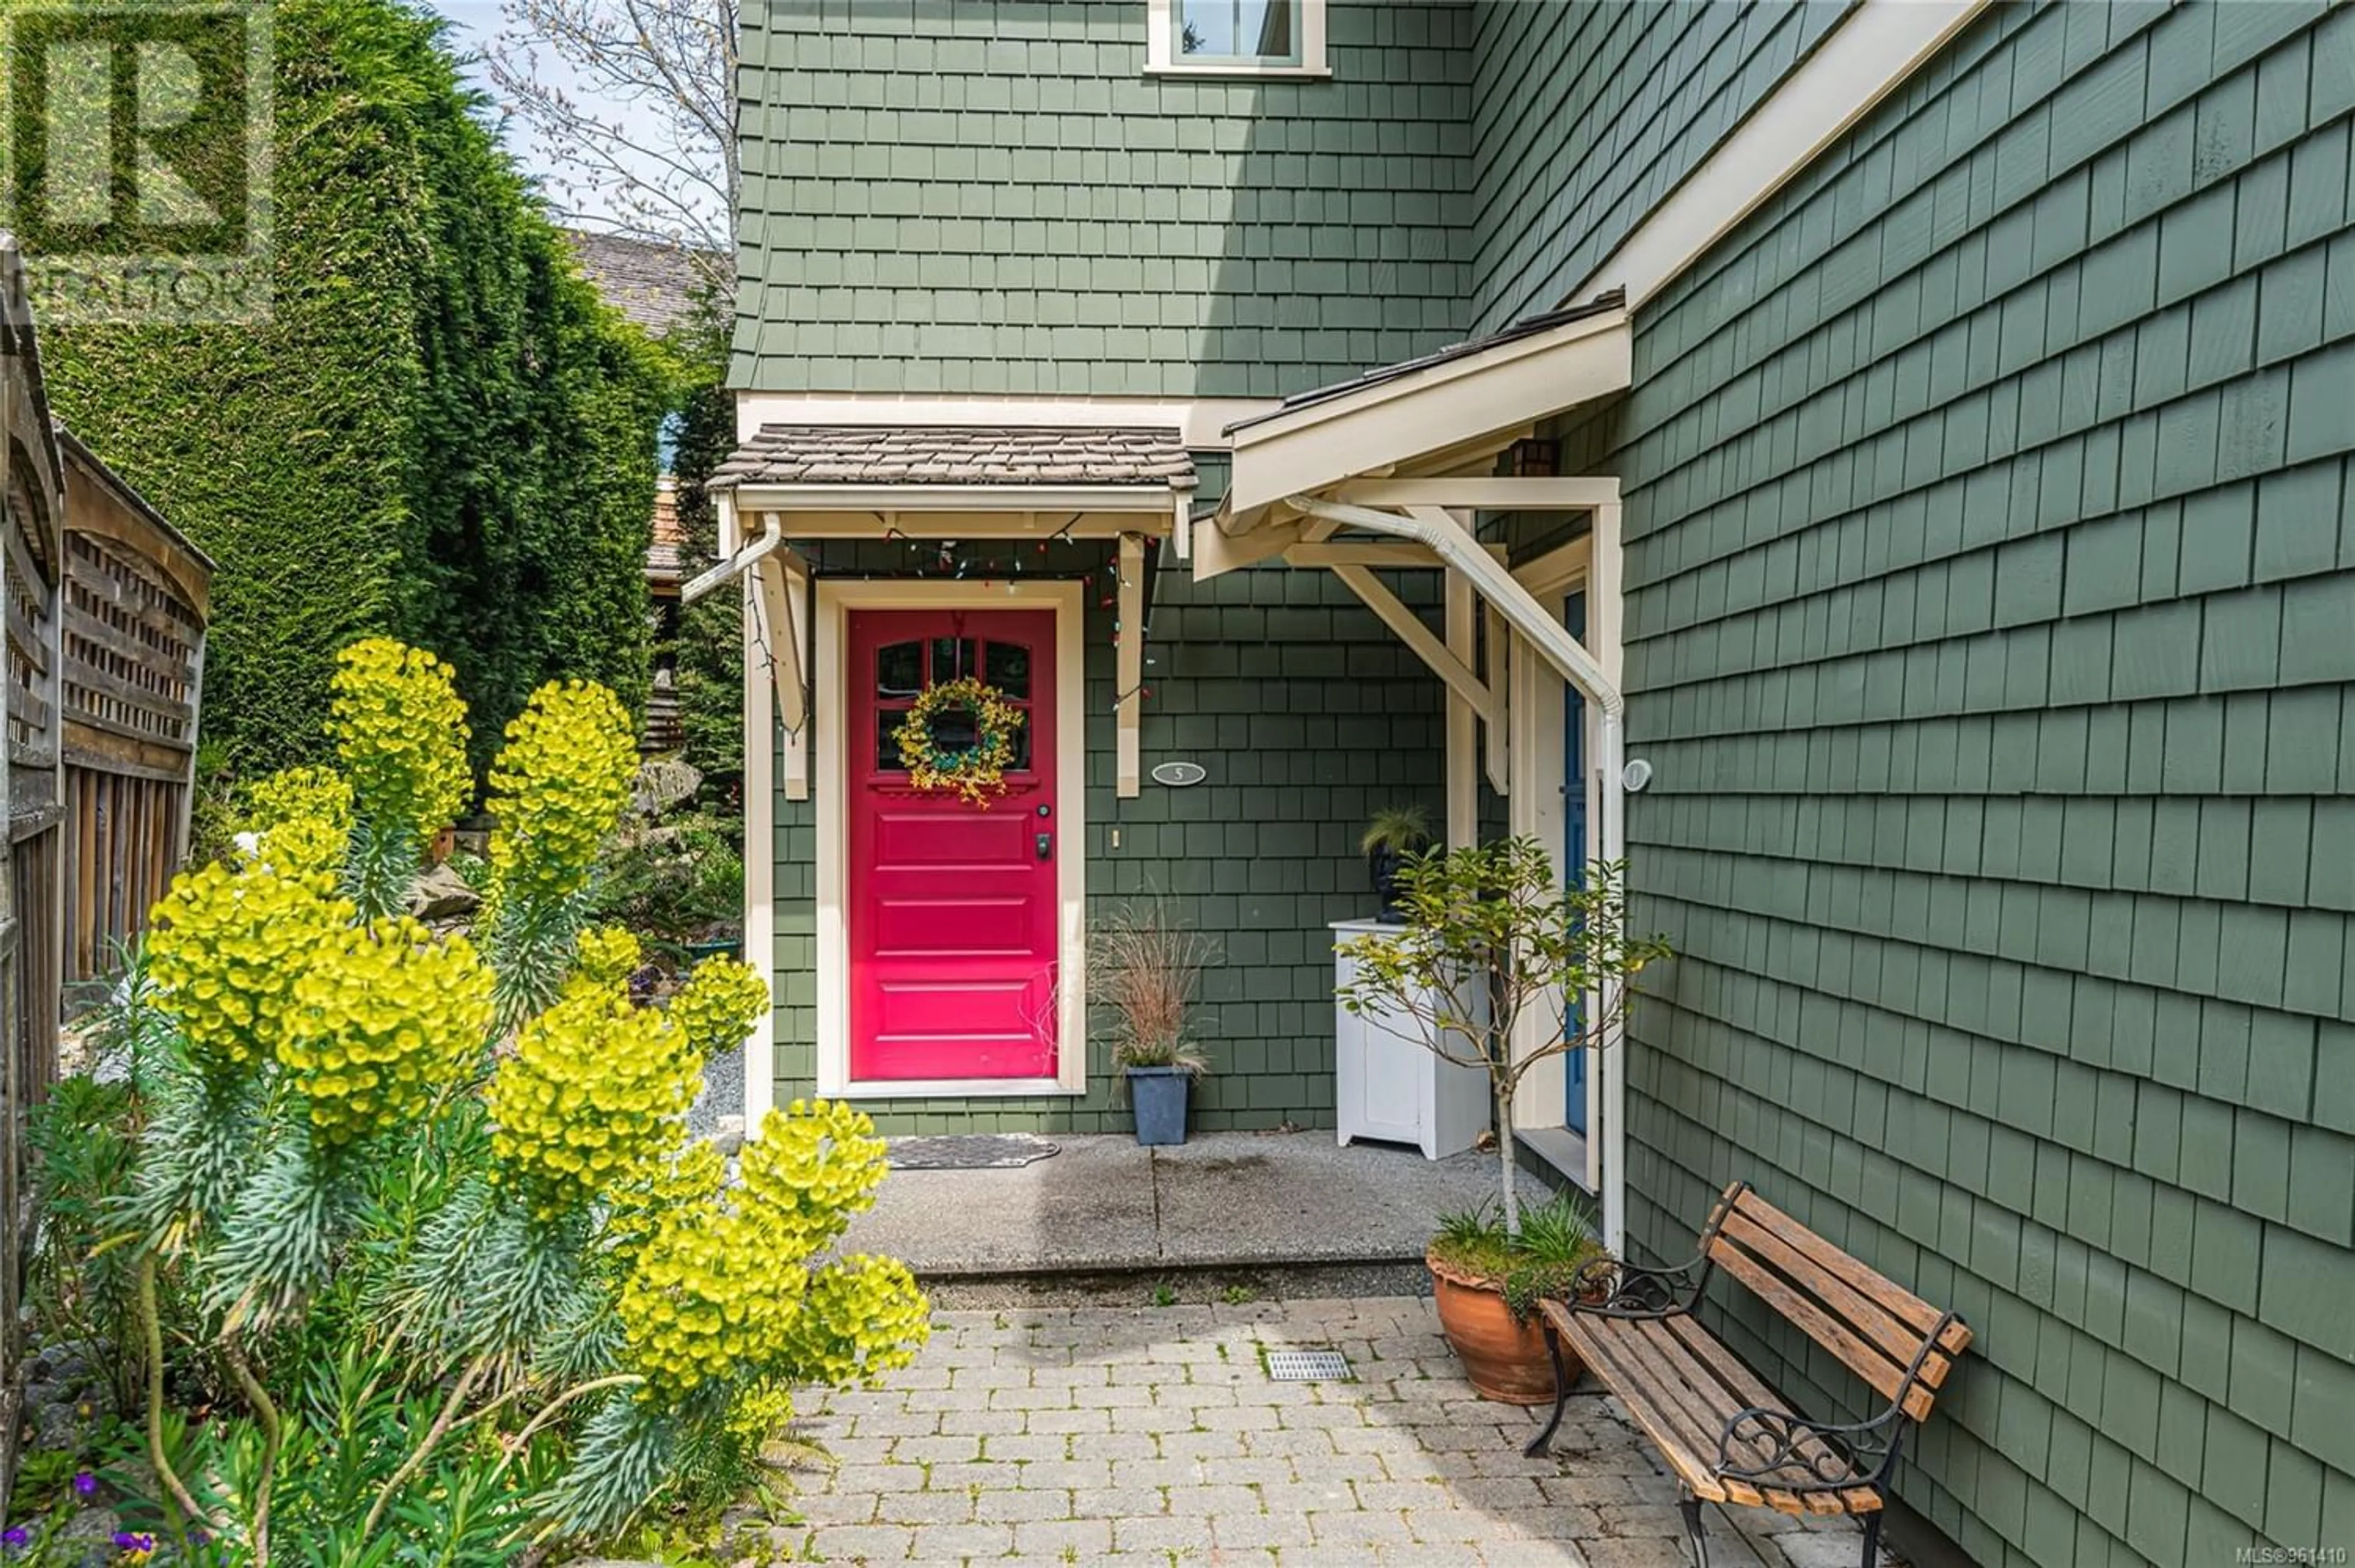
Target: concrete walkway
(1104, 1204)
(1099, 1436)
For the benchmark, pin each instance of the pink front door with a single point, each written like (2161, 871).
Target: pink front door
(951, 906)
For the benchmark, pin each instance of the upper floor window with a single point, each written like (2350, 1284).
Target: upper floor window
(1237, 38)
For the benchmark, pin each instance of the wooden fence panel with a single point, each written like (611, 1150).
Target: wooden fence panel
(133, 609)
(31, 907)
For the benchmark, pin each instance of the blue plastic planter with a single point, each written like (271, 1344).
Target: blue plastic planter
(1159, 1095)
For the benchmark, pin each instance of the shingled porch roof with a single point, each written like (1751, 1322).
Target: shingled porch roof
(1024, 455)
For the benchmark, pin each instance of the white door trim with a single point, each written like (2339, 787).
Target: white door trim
(1537, 713)
(834, 603)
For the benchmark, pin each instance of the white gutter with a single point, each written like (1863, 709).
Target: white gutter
(1554, 644)
(773, 535)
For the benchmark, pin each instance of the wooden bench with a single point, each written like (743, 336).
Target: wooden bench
(1726, 1435)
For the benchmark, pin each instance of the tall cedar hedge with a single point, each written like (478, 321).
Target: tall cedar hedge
(440, 433)
(709, 646)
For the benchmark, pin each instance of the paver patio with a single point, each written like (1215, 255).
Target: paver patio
(1119, 1436)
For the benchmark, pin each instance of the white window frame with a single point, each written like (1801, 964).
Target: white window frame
(1162, 58)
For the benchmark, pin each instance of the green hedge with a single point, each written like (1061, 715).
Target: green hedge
(709, 648)
(440, 433)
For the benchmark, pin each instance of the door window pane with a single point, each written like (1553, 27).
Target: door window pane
(1007, 665)
(954, 658)
(898, 670)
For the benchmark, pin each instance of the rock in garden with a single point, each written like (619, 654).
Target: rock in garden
(442, 894)
(662, 784)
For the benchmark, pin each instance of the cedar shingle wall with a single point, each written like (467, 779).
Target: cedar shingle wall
(1992, 617)
(992, 196)
(1585, 115)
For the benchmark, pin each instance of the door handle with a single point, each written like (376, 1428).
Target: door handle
(1046, 846)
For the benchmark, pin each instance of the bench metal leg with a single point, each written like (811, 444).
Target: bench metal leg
(1691, 1505)
(1538, 1444)
(1873, 1540)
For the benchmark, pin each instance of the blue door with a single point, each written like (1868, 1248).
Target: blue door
(1574, 834)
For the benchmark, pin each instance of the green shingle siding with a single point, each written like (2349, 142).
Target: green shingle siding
(1310, 716)
(992, 196)
(1991, 562)
(1585, 115)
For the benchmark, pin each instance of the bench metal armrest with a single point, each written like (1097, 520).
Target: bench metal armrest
(1606, 1287)
(1772, 1444)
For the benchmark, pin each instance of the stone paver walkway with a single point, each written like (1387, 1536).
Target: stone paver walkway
(1116, 1435)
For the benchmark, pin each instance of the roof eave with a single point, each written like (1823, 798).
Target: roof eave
(1151, 496)
(1450, 406)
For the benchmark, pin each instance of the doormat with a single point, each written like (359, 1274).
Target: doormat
(968, 1151)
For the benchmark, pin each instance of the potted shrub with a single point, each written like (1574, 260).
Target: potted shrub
(1475, 1260)
(1142, 966)
(1394, 837)
(1489, 937)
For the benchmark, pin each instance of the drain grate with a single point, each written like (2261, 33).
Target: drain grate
(1308, 1367)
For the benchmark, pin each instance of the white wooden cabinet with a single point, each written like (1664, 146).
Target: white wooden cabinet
(1390, 1087)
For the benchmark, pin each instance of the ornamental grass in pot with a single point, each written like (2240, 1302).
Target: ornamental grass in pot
(1394, 837)
(1143, 968)
(1491, 947)
(1478, 1268)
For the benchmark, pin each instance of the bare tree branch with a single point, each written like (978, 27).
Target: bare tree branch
(645, 141)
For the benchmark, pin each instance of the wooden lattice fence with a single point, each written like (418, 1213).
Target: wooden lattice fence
(135, 600)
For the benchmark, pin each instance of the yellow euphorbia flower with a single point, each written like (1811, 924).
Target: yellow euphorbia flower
(719, 1003)
(558, 788)
(384, 1018)
(301, 818)
(401, 731)
(592, 1098)
(227, 949)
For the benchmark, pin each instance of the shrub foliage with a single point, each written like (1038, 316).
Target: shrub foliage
(439, 434)
(435, 1206)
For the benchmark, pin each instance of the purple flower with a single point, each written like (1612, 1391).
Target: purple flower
(85, 1485)
(129, 1540)
(15, 1536)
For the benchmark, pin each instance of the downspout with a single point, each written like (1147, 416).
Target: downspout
(773, 535)
(1554, 643)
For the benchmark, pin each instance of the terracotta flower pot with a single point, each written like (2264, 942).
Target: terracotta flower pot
(1504, 1357)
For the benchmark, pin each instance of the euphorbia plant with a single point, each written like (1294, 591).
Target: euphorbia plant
(1490, 937)
(465, 1169)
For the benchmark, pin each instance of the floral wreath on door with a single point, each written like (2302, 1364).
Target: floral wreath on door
(976, 772)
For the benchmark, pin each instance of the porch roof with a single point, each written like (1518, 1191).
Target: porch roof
(960, 468)
(1442, 414)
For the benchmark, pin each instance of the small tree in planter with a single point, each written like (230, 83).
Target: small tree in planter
(1491, 937)
(1142, 966)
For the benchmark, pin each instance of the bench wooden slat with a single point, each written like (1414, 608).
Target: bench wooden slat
(1875, 1346)
(1751, 1391)
(1802, 1311)
(1682, 1395)
(1899, 1302)
(1671, 1431)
